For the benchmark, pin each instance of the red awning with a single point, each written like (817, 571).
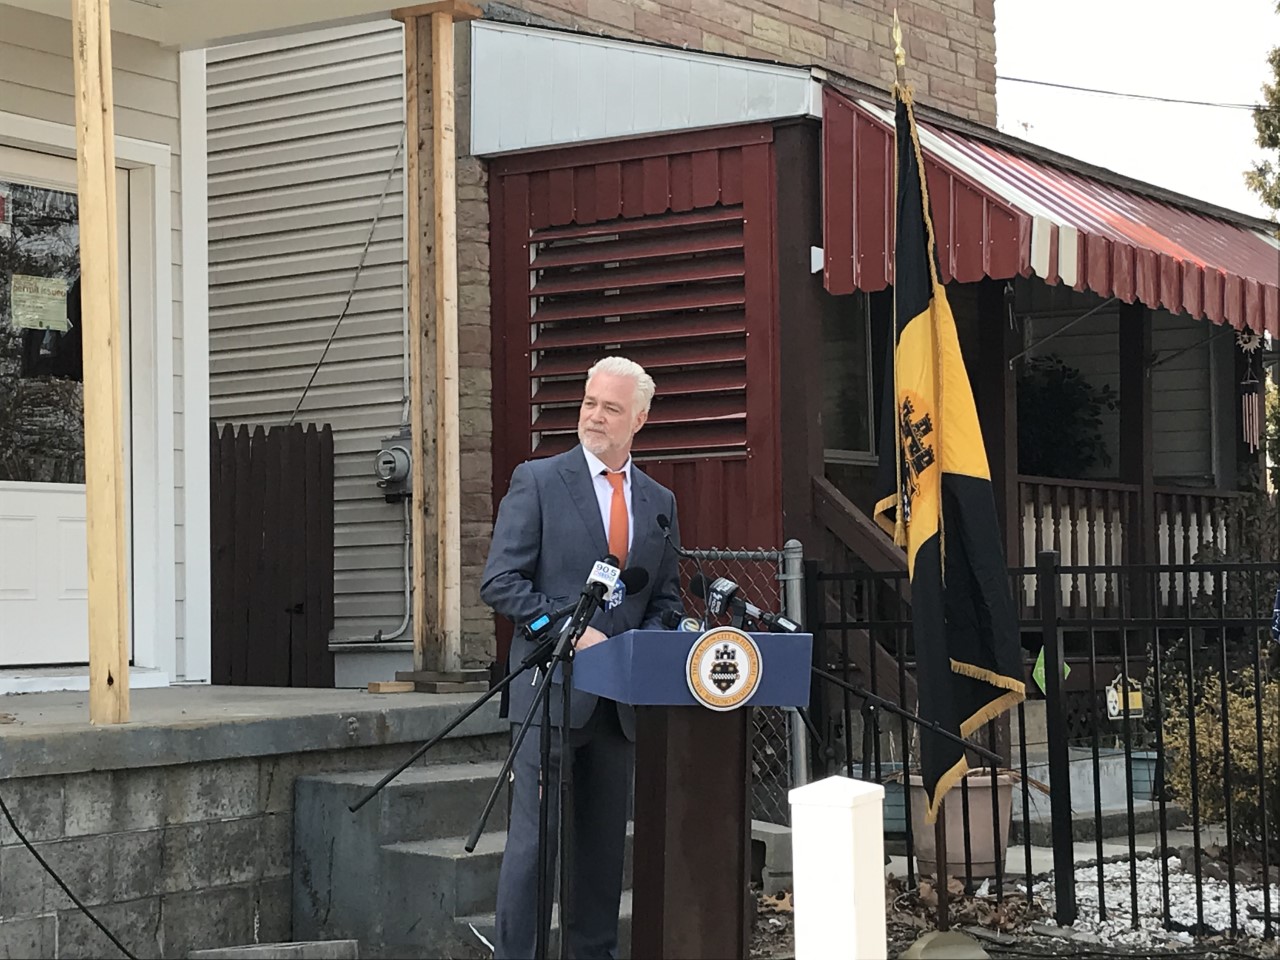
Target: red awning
(999, 213)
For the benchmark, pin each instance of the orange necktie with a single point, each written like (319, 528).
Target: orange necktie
(617, 519)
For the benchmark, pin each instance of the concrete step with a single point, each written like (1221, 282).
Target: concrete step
(311, 950)
(442, 879)
(423, 803)
(485, 924)
(340, 869)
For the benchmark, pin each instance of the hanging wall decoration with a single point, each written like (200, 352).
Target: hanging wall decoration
(1251, 393)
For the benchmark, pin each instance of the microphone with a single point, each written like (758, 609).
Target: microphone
(603, 578)
(630, 581)
(672, 620)
(665, 523)
(717, 593)
(721, 594)
(539, 627)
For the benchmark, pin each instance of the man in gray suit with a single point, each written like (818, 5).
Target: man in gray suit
(559, 517)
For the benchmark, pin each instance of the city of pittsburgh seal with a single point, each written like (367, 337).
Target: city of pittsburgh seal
(723, 669)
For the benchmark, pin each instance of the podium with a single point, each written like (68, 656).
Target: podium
(693, 695)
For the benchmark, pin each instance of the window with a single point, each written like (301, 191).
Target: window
(848, 399)
(41, 426)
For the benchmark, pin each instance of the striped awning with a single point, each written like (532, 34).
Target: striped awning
(999, 213)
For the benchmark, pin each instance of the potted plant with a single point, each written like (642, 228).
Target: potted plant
(985, 848)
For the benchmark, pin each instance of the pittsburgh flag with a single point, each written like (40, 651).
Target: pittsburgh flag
(935, 497)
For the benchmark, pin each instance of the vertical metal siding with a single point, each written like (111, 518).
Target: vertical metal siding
(302, 133)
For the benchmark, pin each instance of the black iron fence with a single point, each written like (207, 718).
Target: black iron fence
(1141, 788)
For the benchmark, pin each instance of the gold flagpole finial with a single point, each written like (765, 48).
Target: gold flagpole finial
(899, 54)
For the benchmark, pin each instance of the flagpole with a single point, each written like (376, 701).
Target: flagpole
(940, 822)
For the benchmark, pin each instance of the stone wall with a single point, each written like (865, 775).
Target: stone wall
(951, 55)
(170, 858)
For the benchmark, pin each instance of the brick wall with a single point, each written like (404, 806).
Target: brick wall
(951, 44)
(951, 57)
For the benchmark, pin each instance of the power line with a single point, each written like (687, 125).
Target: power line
(1138, 96)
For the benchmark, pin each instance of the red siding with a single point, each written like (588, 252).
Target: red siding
(662, 249)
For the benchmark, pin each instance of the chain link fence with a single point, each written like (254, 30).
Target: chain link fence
(773, 580)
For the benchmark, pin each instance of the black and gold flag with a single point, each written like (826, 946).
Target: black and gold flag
(935, 496)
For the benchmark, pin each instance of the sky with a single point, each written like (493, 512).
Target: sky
(1215, 52)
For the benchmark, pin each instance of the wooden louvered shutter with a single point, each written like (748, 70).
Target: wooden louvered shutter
(666, 291)
(661, 250)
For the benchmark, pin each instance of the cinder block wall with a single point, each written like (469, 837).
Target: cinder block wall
(171, 859)
(951, 62)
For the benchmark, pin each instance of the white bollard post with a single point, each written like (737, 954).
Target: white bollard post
(837, 851)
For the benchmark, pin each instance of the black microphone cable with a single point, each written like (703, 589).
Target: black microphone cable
(65, 889)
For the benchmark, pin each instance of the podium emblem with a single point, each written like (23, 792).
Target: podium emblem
(723, 668)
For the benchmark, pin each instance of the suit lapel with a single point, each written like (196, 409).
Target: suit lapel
(573, 471)
(642, 516)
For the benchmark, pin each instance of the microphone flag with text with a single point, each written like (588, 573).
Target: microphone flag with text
(601, 582)
(721, 594)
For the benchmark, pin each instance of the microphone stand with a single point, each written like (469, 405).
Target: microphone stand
(878, 702)
(562, 655)
(932, 726)
(688, 555)
(537, 657)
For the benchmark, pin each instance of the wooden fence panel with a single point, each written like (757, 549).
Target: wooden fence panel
(272, 571)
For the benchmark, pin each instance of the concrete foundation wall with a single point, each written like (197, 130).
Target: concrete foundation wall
(175, 857)
(171, 859)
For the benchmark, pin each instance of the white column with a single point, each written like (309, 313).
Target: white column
(837, 841)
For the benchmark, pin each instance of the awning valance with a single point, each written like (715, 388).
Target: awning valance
(999, 213)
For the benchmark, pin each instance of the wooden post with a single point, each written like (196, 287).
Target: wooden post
(438, 651)
(1136, 451)
(103, 437)
(996, 386)
(1137, 459)
(417, 415)
(448, 456)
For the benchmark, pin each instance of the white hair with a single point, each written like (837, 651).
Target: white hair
(622, 367)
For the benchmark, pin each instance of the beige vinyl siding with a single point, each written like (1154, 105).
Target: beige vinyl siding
(37, 80)
(303, 131)
(1182, 384)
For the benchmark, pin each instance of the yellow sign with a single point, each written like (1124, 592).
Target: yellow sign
(723, 669)
(38, 303)
(1116, 699)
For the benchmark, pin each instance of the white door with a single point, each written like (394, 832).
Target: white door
(43, 564)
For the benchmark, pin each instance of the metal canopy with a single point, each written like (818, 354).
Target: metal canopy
(999, 213)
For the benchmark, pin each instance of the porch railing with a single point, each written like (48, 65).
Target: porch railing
(1093, 524)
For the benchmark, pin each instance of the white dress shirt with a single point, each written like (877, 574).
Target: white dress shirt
(604, 492)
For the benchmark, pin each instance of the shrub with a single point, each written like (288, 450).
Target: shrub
(1250, 798)
(1060, 420)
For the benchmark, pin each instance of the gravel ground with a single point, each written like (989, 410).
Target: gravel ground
(1015, 927)
(1184, 900)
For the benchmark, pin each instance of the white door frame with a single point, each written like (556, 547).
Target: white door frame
(152, 388)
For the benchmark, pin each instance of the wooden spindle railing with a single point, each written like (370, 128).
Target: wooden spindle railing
(1091, 523)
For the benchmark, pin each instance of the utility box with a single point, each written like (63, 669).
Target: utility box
(394, 467)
